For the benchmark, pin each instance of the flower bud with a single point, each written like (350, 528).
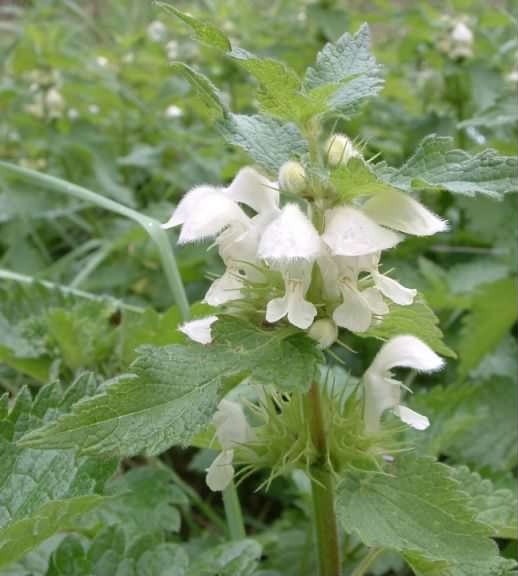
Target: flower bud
(292, 177)
(461, 40)
(323, 331)
(340, 150)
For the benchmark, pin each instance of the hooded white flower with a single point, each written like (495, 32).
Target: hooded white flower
(207, 211)
(232, 429)
(401, 212)
(291, 244)
(383, 392)
(349, 232)
(358, 307)
(199, 330)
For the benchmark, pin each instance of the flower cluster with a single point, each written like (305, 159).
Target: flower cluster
(331, 250)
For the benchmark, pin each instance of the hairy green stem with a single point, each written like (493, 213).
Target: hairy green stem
(152, 226)
(236, 526)
(323, 490)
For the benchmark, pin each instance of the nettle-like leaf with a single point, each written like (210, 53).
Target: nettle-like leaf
(417, 319)
(143, 500)
(238, 558)
(267, 140)
(437, 166)
(496, 508)
(350, 66)
(420, 510)
(205, 89)
(172, 396)
(205, 32)
(493, 313)
(43, 491)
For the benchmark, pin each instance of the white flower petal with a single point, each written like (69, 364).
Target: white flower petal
(199, 330)
(349, 232)
(354, 313)
(380, 395)
(406, 352)
(413, 419)
(253, 189)
(276, 309)
(324, 332)
(375, 301)
(291, 236)
(211, 216)
(393, 290)
(329, 273)
(400, 211)
(231, 424)
(221, 471)
(189, 204)
(225, 289)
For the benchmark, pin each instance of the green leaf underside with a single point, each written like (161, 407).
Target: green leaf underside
(172, 396)
(417, 319)
(238, 558)
(268, 141)
(493, 313)
(435, 165)
(422, 512)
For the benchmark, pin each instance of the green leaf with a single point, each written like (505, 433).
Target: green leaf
(268, 141)
(357, 179)
(496, 508)
(143, 500)
(417, 319)
(205, 89)
(493, 313)
(419, 510)
(43, 491)
(436, 166)
(204, 31)
(492, 440)
(349, 65)
(69, 558)
(172, 397)
(232, 559)
(19, 537)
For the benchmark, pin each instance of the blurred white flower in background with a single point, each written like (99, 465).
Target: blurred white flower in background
(156, 31)
(173, 111)
(102, 61)
(172, 49)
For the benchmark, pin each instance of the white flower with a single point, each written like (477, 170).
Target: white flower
(323, 331)
(173, 112)
(199, 330)
(94, 109)
(55, 102)
(383, 392)
(232, 429)
(172, 49)
(349, 232)
(389, 287)
(358, 306)
(102, 61)
(291, 244)
(292, 177)
(73, 113)
(156, 31)
(340, 150)
(207, 211)
(401, 212)
(461, 41)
